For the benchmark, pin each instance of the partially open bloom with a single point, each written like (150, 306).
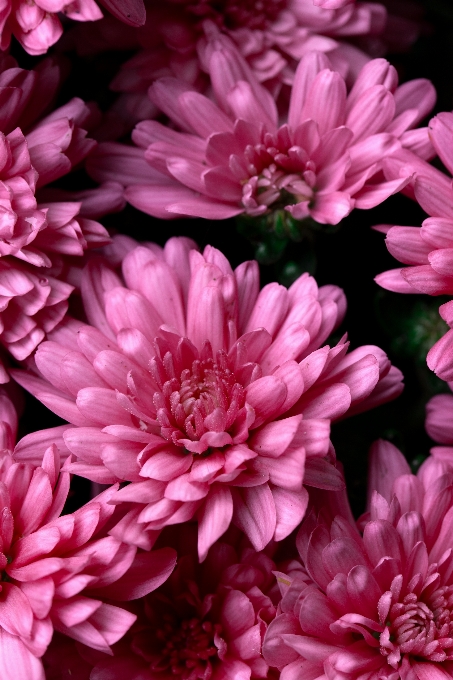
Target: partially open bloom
(427, 250)
(383, 601)
(234, 157)
(57, 571)
(36, 24)
(206, 621)
(214, 399)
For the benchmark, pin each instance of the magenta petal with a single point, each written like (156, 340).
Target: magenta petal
(16, 616)
(394, 281)
(308, 647)
(147, 572)
(274, 438)
(331, 208)
(309, 66)
(441, 133)
(154, 199)
(166, 465)
(265, 396)
(322, 475)
(248, 645)
(102, 406)
(290, 507)
(440, 357)
(200, 206)
(287, 471)
(275, 652)
(16, 661)
(407, 245)
(429, 671)
(373, 194)
(183, 489)
(35, 545)
(255, 514)
(237, 614)
(325, 402)
(214, 518)
(386, 463)
(434, 195)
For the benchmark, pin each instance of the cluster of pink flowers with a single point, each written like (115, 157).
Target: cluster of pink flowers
(213, 537)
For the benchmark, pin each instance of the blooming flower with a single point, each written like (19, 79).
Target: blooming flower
(36, 25)
(209, 396)
(427, 249)
(383, 600)
(272, 37)
(233, 157)
(206, 621)
(36, 237)
(56, 571)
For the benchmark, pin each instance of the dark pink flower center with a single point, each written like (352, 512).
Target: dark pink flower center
(206, 397)
(231, 14)
(187, 648)
(420, 626)
(276, 167)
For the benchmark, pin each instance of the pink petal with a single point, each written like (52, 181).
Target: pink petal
(237, 614)
(147, 572)
(266, 396)
(16, 661)
(290, 507)
(255, 514)
(214, 518)
(273, 439)
(393, 280)
(182, 489)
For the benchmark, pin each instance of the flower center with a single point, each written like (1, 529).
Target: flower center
(187, 648)
(205, 398)
(276, 166)
(231, 14)
(420, 627)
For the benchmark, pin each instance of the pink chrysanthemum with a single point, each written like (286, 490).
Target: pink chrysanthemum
(428, 250)
(206, 621)
(384, 601)
(272, 36)
(36, 25)
(36, 236)
(57, 571)
(234, 157)
(209, 396)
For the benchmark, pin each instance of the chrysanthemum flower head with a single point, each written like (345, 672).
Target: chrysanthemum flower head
(36, 235)
(206, 621)
(57, 571)
(233, 156)
(383, 600)
(211, 397)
